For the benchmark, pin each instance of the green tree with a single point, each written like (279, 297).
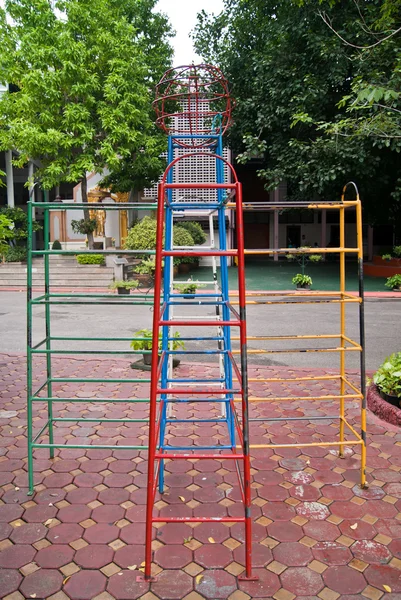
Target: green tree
(6, 231)
(291, 76)
(82, 74)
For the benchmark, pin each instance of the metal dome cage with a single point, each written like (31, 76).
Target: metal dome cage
(193, 101)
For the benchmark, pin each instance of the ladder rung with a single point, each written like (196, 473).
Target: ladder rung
(163, 455)
(198, 519)
(201, 323)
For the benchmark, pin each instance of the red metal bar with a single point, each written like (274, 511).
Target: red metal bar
(200, 186)
(202, 323)
(199, 253)
(198, 519)
(160, 455)
(244, 394)
(153, 384)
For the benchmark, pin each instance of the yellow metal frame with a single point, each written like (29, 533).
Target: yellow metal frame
(347, 390)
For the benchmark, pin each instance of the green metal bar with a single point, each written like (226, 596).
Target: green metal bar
(39, 389)
(39, 344)
(82, 302)
(48, 352)
(35, 300)
(95, 205)
(37, 436)
(46, 235)
(108, 295)
(29, 348)
(95, 339)
(82, 447)
(56, 399)
(104, 252)
(95, 380)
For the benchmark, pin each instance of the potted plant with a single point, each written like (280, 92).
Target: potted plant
(388, 379)
(394, 283)
(143, 341)
(386, 257)
(189, 288)
(145, 271)
(124, 287)
(303, 282)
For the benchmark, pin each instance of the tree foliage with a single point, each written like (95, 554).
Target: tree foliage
(305, 97)
(82, 75)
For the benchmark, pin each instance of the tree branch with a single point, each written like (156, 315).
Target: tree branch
(326, 20)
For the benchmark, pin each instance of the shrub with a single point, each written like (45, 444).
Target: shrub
(90, 259)
(397, 251)
(388, 376)
(15, 254)
(195, 230)
(131, 284)
(146, 344)
(315, 257)
(182, 237)
(386, 257)
(189, 287)
(146, 266)
(302, 280)
(394, 282)
(56, 245)
(84, 226)
(20, 220)
(142, 236)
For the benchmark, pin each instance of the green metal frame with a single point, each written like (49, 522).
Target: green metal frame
(46, 346)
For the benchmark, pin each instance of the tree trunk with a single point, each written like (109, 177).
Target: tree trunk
(84, 194)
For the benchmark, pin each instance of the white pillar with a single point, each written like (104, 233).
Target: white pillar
(10, 179)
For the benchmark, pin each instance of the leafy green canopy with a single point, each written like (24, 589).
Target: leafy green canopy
(294, 80)
(84, 73)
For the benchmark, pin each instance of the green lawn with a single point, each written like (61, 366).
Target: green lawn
(270, 275)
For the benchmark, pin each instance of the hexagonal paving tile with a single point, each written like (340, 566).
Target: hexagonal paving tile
(267, 584)
(171, 533)
(129, 555)
(173, 557)
(216, 584)
(42, 584)
(332, 553)
(54, 557)
(10, 580)
(371, 552)
(292, 554)
(344, 580)
(94, 557)
(102, 533)
(65, 533)
(85, 585)
(301, 581)
(126, 587)
(15, 557)
(75, 513)
(108, 514)
(29, 533)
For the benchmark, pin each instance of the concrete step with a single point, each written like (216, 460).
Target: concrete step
(68, 283)
(77, 269)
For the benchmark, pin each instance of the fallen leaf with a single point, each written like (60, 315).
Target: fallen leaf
(50, 503)
(354, 526)
(198, 578)
(182, 498)
(48, 522)
(17, 524)
(132, 567)
(119, 573)
(387, 588)
(308, 462)
(143, 563)
(211, 540)
(66, 579)
(32, 596)
(54, 495)
(186, 540)
(16, 489)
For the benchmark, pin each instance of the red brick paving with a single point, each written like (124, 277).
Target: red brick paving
(81, 536)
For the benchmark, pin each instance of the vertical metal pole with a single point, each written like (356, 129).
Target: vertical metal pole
(29, 349)
(362, 340)
(342, 328)
(46, 259)
(153, 385)
(244, 391)
(167, 271)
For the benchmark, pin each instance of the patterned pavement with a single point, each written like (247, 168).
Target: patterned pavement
(316, 534)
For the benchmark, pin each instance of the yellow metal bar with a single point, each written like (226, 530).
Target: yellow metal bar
(305, 445)
(347, 339)
(290, 337)
(352, 386)
(289, 379)
(293, 398)
(268, 206)
(262, 251)
(266, 302)
(288, 351)
(342, 326)
(356, 434)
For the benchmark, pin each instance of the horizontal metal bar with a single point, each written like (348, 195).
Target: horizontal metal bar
(200, 186)
(306, 445)
(96, 339)
(197, 420)
(93, 205)
(268, 251)
(295, 350)
(96, 380)
(298, 204)
(103, 252)
(180, 253)
(306, 398)
(86, 447)
(201, 323)
(198, 520)
(291, 379)
(273, 420)
(162, 455)
(117, 302)
(77, 400)
(193, 391)
(170, 447)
